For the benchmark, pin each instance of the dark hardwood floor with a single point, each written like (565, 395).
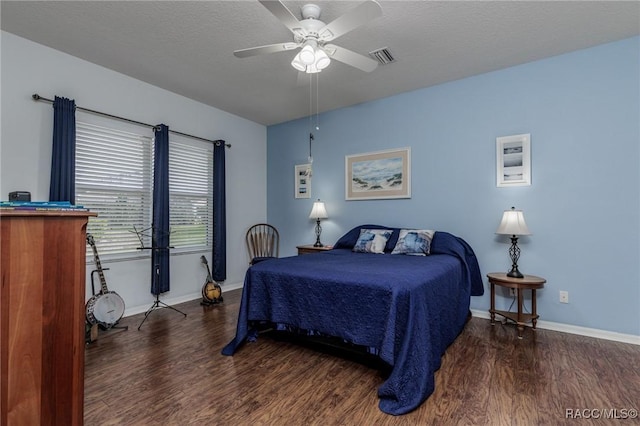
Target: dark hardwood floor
(171, 372)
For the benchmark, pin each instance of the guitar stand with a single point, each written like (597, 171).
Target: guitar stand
(156, 305)
(93, 288)
(117, 327)
(217, 301)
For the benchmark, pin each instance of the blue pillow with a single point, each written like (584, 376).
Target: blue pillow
(348, 240)
(372, 240)
(414, 241)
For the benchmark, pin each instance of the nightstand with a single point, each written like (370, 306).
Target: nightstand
(529, 282)
(308, 249)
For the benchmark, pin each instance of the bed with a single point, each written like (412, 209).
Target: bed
(406, 309)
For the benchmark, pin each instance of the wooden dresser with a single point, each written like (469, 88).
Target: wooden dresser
(42, 317)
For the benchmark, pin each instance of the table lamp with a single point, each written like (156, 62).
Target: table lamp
(318, 212)
(513, 224)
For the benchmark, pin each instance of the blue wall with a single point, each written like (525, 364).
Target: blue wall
(582, 110)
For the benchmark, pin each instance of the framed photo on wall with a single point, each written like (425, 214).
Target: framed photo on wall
(303, 181)
(378, 175)
(513, 160)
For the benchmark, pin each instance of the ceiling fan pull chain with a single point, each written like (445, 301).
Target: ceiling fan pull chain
(317, 102)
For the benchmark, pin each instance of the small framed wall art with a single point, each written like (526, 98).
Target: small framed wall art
(303, 181)
(513, 160)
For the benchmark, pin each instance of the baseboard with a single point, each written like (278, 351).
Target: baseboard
(176, 300)
(574, 329)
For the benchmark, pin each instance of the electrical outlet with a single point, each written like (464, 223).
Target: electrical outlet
(564, 296)
(512, 292)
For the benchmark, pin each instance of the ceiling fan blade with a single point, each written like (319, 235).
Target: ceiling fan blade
(285, 16)
(355, 17)
(269, 48)
(351, 58)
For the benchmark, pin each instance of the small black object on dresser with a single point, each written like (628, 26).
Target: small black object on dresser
(19, 196)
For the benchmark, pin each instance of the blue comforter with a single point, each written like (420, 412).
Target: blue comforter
(409, 308)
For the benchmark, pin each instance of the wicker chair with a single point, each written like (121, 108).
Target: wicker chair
(263, 242)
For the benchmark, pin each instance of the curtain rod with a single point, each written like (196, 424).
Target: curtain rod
(37, 97)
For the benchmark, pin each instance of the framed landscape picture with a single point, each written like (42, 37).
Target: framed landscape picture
(378, 175)
(513, 160)
(303, 181)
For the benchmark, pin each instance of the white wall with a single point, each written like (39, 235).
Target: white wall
(25, 152)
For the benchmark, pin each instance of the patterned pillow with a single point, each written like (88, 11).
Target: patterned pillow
(372, 240)
(414, 241)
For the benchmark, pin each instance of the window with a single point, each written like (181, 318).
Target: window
(114, 178)
(191, 194)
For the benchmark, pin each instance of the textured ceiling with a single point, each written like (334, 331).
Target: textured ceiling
(187, 47)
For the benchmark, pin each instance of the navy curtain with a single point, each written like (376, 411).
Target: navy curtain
(160, 225)
(63, 155)
(219, 253)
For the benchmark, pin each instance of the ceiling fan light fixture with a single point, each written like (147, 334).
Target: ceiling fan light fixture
(312, 69)
(307, 55)
(297, 63)
(322, 60)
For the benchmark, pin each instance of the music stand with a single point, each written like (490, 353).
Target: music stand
(157, 304)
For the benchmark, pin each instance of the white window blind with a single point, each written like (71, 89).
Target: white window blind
(114, 176)
(191, 195)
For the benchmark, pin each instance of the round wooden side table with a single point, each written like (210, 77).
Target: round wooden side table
(528, 282)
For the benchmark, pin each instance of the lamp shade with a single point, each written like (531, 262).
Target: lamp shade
(297, 63)
(307, 55)
(318, 211)
(322, 60)
(513, 223)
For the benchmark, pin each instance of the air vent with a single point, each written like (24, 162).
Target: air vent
(383, 56)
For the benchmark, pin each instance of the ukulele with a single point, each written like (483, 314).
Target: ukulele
(211, 290)
(107, 307)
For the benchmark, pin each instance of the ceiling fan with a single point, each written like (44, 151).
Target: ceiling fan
(314, 36)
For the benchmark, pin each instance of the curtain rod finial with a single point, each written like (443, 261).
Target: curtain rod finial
(35, 97)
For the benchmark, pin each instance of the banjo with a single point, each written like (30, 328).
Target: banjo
(107, 307)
